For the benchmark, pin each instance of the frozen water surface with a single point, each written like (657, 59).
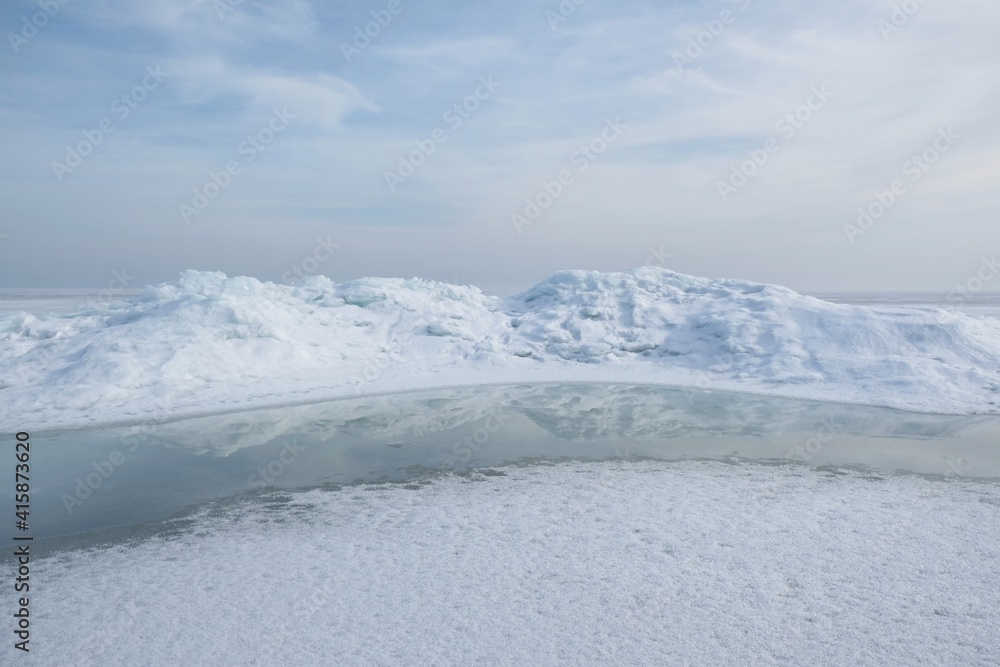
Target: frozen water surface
(125, 475)
(554, 524)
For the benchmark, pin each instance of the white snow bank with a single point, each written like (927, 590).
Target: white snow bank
(575, 564)
(209, 343)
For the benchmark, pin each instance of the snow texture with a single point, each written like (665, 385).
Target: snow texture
(209, 343)
(615, 563)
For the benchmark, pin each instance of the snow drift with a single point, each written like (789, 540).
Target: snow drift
(209, 343)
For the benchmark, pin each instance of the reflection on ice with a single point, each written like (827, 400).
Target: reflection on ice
(130, 475)
(575, 412)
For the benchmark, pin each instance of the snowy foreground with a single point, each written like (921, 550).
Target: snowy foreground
(207, 343)
(614, 563)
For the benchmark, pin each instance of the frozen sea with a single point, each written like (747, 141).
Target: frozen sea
(541, 523)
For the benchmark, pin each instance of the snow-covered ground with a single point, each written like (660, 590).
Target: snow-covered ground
(746, 559)
(208, 343)
(615, 563)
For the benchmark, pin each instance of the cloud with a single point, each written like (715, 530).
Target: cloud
(688, 127)
(320, 100)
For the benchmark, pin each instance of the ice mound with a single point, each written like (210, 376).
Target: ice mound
(209, 343)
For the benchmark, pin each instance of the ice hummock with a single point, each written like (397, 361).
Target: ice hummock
(210, 343)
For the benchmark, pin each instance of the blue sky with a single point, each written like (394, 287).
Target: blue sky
(735, 139)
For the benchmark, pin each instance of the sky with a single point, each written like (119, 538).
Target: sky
(848, 145)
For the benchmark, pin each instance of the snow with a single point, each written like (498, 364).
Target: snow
(211, 343)
(638, 563)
